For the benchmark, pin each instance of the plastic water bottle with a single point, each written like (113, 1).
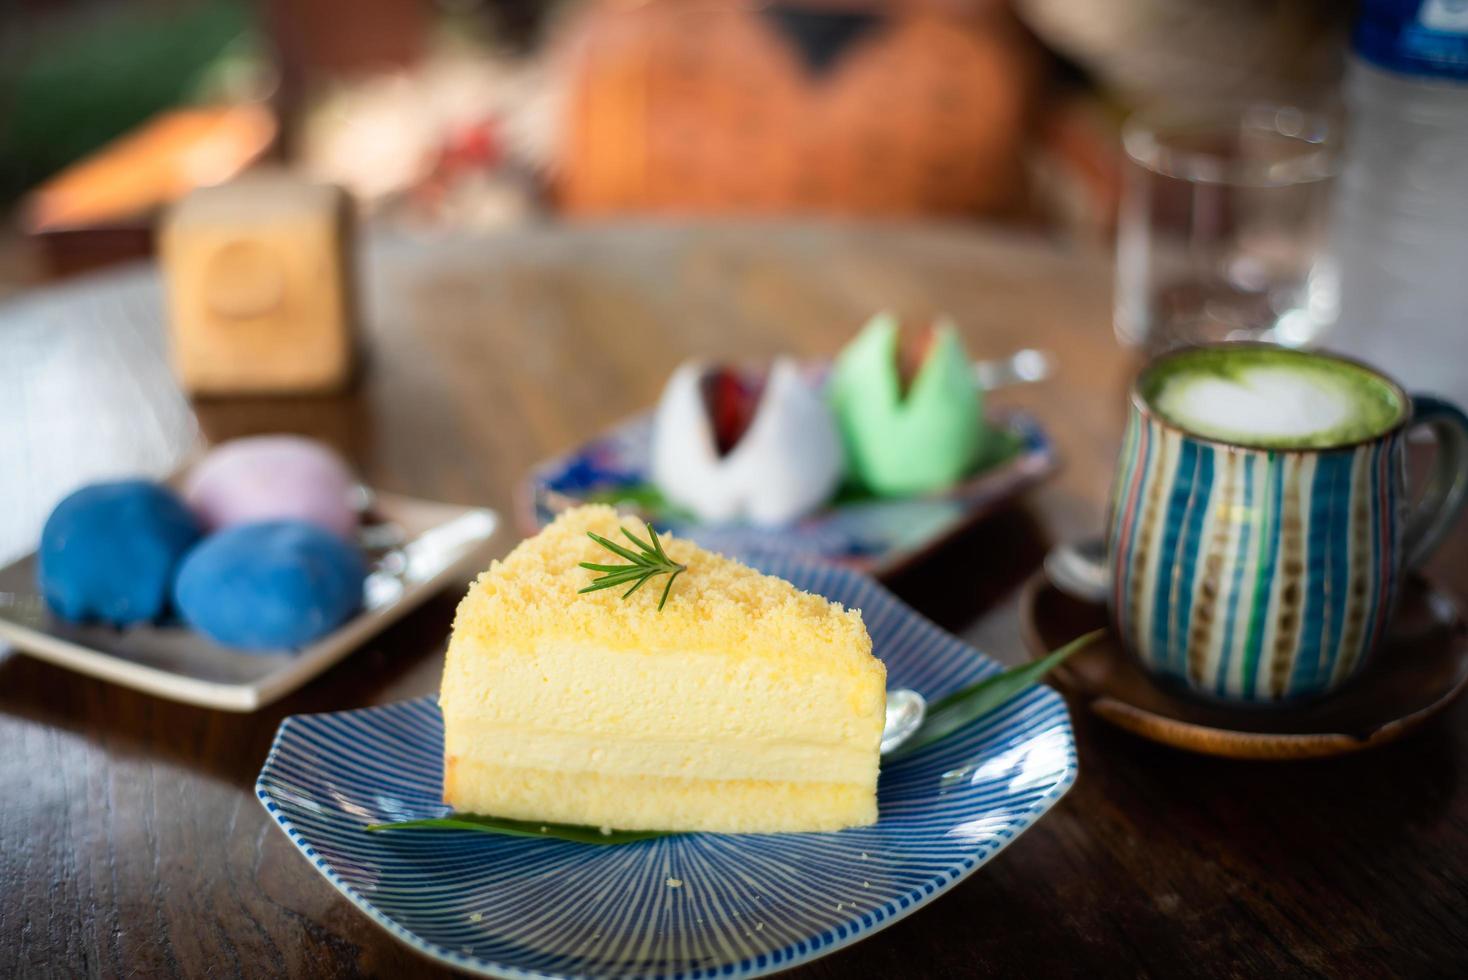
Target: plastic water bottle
(1401, 213)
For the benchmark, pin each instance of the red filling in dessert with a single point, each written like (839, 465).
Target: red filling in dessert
(731, 400)
(913, 347)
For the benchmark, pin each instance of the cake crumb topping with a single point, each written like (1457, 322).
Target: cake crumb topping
(722, 604)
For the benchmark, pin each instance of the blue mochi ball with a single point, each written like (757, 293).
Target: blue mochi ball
(270, 586)
(109, 551)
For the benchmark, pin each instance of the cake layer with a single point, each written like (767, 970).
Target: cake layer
(577, 688)
(637, 755)
(656, 802)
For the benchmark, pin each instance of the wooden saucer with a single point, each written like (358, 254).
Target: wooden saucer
(1421, 668)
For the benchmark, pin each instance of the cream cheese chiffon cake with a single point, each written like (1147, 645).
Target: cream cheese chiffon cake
(744, 705)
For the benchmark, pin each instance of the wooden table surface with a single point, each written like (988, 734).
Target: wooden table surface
(131, 842)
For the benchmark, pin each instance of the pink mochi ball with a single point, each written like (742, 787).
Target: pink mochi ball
(269, 478)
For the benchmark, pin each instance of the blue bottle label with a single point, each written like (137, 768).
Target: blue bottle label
(1415, 37)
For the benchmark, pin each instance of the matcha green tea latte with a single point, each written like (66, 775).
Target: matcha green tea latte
(1271, 398)
(1261, 524)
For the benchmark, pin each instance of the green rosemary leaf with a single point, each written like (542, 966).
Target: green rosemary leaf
(646, 548)
(668, 588)
(626, 571)
(617, 549)
(650, 562)
(520, 828)
(657, 545)
(592, 566)
(610, 582)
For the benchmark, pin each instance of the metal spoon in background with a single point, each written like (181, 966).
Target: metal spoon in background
(1022, 367)
(1079, 570)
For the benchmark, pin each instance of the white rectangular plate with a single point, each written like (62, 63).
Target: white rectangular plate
(433, 544)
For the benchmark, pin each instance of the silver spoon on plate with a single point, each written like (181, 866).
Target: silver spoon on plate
(906, 711)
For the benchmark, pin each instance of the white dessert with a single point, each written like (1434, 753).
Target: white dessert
(786, 464)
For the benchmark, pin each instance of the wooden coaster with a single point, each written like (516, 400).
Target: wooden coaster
(1419, 671)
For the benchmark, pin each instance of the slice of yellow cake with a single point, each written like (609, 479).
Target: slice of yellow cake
(744, 705)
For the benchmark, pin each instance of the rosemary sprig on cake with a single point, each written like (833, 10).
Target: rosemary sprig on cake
(648, 561)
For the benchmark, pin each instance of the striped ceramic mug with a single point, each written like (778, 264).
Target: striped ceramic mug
(1250, 568)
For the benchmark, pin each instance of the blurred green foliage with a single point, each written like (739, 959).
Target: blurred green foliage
(71, 84)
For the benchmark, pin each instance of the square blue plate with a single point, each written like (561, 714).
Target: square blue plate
(688, 906)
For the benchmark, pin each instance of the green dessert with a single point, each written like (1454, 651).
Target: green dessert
(907, 431)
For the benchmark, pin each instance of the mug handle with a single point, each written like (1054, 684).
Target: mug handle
(1447, 486)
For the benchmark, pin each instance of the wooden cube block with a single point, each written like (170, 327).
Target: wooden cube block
(259, 281)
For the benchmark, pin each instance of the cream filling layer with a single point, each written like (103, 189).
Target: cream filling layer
(781, 760)
(684, 695)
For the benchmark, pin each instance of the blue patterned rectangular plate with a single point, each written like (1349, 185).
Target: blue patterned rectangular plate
(688, 906)
(874, 535)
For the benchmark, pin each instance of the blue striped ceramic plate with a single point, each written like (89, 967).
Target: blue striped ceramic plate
(697, 905)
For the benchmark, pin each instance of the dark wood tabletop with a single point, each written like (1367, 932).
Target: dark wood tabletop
(131, 842)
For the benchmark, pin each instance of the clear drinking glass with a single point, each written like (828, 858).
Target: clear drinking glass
(1223, 228)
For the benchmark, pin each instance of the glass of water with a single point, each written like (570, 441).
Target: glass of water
(1223, 228)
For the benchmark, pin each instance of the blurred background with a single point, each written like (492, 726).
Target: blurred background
(440, 116)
